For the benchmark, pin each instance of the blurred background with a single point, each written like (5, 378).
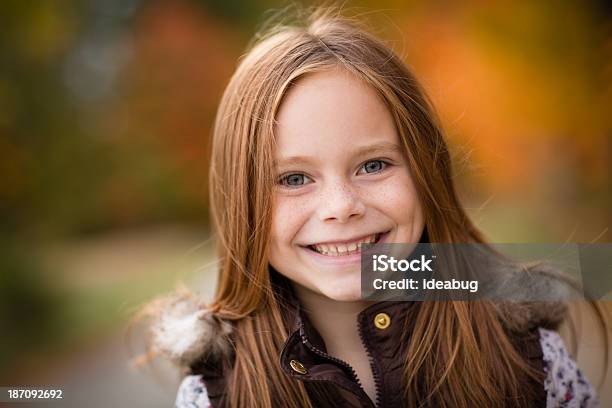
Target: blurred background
(106, 110)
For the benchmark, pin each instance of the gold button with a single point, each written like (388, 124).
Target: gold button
(382, 321)
(298, 367)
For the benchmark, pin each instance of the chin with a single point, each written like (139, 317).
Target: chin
(342, 293)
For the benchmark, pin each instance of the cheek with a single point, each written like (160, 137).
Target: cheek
(288, 215)
(399, 198)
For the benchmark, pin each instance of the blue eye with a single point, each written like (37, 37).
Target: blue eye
(294, 180)
(373, 166)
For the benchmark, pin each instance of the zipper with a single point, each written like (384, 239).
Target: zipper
(352, 371)
(373, 365)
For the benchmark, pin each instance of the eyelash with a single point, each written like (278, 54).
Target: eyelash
(282, 179)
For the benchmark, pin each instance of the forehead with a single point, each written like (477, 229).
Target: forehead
(329, 112)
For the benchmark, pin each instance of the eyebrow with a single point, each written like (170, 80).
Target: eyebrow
(378, 148)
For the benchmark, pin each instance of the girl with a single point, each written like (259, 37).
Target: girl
(324, 141)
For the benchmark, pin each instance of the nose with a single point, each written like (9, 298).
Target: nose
(340, 202)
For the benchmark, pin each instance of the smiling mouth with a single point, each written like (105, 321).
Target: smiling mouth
(345, 248)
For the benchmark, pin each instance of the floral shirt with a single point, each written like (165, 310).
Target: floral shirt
(192, 393)
(565, 384)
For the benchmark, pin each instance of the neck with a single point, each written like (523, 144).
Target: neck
(336, 321)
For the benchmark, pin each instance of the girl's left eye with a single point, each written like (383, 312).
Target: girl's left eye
(373, 166)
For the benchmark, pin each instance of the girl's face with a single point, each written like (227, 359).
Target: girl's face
(342, 179)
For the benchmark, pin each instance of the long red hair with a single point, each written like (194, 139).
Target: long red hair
(449, 339)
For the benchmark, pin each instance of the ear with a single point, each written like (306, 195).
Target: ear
(185, 330)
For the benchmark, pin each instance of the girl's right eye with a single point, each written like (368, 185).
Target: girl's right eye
(294, 180)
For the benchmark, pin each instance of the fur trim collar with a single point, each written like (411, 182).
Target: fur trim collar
(185, 330)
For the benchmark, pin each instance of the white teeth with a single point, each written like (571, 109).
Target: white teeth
(344, 249)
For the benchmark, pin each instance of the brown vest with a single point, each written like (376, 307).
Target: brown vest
(332, 382)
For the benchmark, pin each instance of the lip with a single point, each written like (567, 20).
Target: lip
(346, 241)
(342, 259)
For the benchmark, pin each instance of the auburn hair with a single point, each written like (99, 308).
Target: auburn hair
(468, 335)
